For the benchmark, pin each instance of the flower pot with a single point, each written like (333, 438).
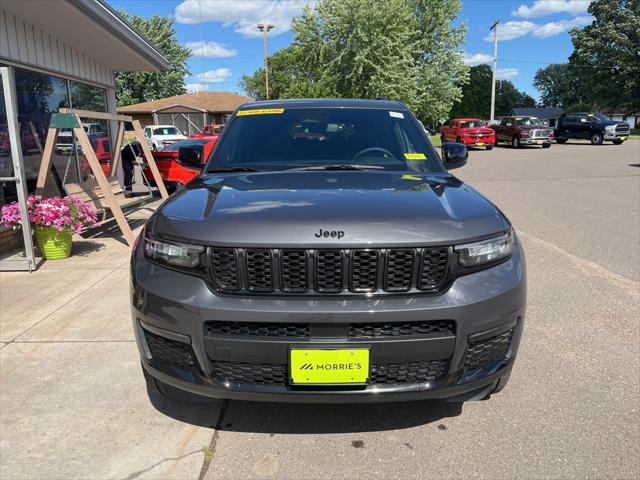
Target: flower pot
(53, 244)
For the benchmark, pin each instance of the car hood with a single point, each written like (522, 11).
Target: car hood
(169, 137)
(290, 210)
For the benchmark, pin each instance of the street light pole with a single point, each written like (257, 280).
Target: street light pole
(494, 27)
(264, 29)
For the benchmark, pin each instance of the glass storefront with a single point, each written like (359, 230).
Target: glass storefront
(38, 96)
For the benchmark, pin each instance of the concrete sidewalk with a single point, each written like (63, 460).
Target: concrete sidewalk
(72, 398)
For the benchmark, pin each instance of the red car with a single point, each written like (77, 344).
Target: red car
(209, 131)
(177, 171)
(471, 132)
(102, 149)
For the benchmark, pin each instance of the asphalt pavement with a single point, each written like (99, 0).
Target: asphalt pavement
(72, 403)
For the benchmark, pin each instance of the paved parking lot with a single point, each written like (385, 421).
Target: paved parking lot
(72, 402)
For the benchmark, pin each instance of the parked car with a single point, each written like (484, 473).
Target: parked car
(209, 131)
(519, 131)
(182, 161)
(471, 132)
(102, 148)
(161, 136)
(347, 267)
(595, 127)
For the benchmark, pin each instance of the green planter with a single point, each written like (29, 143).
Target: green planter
(53, 244)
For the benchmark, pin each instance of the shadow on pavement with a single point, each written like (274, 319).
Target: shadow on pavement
(263, 417)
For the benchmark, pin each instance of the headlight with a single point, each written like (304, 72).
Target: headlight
(173, 253)
(610, 128)
(486, 251)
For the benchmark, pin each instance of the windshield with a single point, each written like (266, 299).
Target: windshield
(472, 124)
(600, 116)
(302, 138)
(166, 131)
(529, 121)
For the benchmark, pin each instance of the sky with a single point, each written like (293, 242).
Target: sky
(226, 44)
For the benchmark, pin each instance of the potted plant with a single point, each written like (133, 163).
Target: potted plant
(54, 221)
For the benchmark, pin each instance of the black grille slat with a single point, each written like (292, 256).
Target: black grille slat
(364, 270)
(433, 268)
(398, 271)
(259, 329)
(164, 349)
(225, 268)
(329, 271)
(294, 268)
(483, 352)
(402, 373)
(259, 270)
(401, 329)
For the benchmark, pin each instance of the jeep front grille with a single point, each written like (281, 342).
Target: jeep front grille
(329, 271)
(483, 352)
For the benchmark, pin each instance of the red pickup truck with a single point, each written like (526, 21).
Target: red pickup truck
(176, 170)
(209, 131)
(471, 132)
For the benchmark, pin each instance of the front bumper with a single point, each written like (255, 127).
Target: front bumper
(484, 141)
(608, 135)
(172, 313)
(535, 140)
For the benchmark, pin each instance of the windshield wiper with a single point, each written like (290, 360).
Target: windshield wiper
(337, 167)
(232, 169)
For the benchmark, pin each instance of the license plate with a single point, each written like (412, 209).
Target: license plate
(329, 366)
(623, 138)
(540, 142)
(480, 144)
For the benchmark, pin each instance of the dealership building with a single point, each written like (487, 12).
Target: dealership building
(57, 54)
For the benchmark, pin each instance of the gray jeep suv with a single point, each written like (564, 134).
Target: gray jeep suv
(325, 254)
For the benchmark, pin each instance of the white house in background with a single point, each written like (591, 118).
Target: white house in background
(632, 119)
(54, 54)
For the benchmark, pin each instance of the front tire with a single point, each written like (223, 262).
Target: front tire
(489, 147)
(561, 140)
(617, 142)
(515, 142)
(546, 145)
(596, 138)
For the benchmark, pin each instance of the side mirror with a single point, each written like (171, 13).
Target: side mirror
(454, 155)
(190, 156)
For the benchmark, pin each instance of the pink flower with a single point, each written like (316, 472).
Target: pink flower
(68, 213)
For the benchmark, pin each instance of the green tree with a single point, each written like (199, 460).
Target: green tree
(137, 87)
(399, 49)
(476, 96)
(607, 53)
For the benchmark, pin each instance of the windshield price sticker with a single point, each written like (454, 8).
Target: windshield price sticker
(396, 114)
(260, 111)
(415, 156)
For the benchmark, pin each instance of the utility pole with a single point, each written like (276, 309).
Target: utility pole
(494, 27)
(264, 29)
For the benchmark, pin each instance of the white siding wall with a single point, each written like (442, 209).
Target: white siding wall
(27, 44)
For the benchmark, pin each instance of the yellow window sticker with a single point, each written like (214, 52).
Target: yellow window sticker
(415, 156)
(411, 177)
(260, 111)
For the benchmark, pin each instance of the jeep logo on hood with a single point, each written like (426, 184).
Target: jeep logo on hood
(329, 233)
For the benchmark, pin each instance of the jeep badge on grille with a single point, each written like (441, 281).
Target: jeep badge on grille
(329, 233)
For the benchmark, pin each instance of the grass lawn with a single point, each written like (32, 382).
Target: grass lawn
(435, 139)
(635, 134)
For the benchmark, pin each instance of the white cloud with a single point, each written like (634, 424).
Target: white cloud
(476, 58)
(507, 73)
(242, 15)
(515, 29)
(210, 49)
(196, 87)
(554, 28)
(541, 8)
(214, 76)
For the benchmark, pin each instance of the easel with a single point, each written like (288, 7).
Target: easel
(68, 118)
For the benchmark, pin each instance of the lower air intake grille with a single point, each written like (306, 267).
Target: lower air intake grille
(409, 372)
(383, 374)
(483, 352)
(401, 329)
(177, 354)
(258, 329)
